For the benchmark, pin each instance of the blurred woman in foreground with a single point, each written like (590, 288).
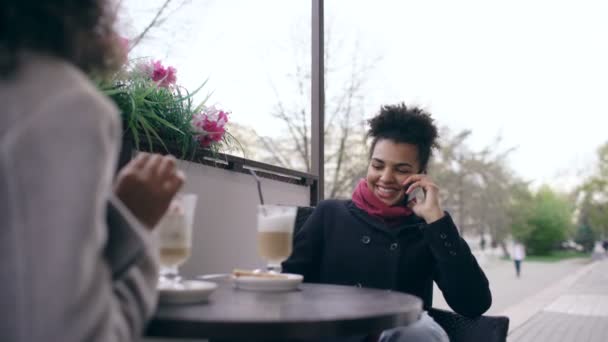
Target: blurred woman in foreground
(69, 272)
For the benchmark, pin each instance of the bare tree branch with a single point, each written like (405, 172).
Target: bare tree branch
(293, 131)
(154, 22)
(276, 155)
(345, 132)
(304, 123)
(345, 145)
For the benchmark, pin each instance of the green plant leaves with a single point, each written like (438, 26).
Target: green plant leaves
(161, 116)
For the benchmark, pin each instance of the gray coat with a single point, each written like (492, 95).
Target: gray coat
(60, 279)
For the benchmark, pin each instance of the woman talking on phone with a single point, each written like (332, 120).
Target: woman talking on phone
(382, 238)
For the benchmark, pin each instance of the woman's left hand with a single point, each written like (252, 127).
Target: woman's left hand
(429, 208)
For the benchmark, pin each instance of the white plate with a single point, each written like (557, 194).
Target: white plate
(290, 283)
(187, 291)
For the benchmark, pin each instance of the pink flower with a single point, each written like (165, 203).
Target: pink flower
(165, 77)
(210, 123)
(154, 70)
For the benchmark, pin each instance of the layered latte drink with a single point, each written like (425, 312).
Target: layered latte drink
(174, 233)
(275, 233)
(174, 239)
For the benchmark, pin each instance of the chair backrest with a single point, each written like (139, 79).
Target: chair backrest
(464, 329)
(301, 217)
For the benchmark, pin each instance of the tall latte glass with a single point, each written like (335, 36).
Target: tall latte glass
(275, 234)
(174, 233)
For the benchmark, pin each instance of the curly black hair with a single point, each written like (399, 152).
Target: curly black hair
(402, 124)
(79, 31)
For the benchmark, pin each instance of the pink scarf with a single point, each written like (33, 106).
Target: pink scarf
(365, 200)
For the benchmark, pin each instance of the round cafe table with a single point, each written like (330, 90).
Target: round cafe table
(313, 311)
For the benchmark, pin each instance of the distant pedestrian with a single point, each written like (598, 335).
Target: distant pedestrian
(518, 254)
(599, 252)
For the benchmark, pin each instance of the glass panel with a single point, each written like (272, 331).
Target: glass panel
(519, 90)
(255, 56)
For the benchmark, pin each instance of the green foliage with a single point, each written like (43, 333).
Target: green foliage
(556, 256)
(593, 197)
(149, 111)
(157, 115)
(585, 236)
(543, 221)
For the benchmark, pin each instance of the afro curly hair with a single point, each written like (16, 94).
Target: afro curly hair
(402, 124)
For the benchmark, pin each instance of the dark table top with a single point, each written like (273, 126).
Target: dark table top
(314, 311)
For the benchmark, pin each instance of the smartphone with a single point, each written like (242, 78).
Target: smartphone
(417, 194)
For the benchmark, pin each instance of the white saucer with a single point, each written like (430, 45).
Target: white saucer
(290, 283)
(187, 291)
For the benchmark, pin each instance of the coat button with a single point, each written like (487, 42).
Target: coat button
(443, 236)
(452, 253)
(366, 239)
(447, 244)
(394, 246)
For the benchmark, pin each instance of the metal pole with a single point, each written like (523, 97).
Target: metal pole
(318, 100)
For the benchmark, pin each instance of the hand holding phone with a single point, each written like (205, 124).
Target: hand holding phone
(426, 195)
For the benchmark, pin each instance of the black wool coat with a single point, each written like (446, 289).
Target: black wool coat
(341, 244)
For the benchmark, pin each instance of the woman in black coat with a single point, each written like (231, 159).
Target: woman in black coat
(383, 238)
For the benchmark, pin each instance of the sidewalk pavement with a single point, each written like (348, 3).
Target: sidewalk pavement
(508, 290)
(573, 309)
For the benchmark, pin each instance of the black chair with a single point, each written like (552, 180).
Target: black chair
(459, 328)
(301, 216)
(464, 329)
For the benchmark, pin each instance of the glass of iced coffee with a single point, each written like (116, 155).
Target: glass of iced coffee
(275, 234)
(174, 233)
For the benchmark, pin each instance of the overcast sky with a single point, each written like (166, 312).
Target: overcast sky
(533, 71)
